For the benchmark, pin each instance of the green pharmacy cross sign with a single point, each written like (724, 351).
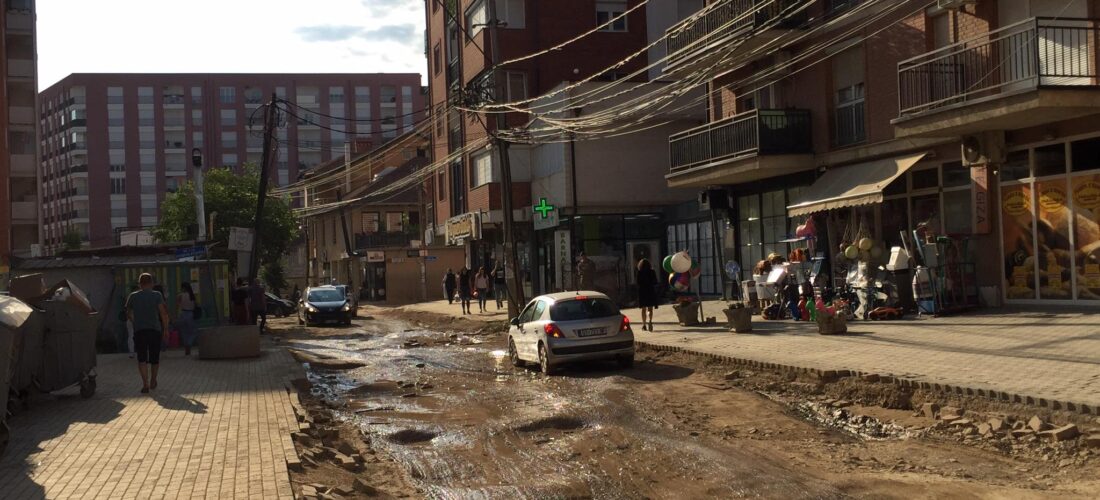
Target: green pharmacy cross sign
(544, 208)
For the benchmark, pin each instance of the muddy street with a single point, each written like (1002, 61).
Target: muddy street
(445, 404)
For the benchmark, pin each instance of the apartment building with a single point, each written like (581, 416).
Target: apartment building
(19, 184)
(974, 120)
(115, 144)
(593, 186)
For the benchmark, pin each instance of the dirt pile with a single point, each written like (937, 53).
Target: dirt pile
(336, 461)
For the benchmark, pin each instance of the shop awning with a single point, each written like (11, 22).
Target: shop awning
(852, 186)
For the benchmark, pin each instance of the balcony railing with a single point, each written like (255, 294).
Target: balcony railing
(382, 240)
(1038, 52)
(726, 20)
(753, 133)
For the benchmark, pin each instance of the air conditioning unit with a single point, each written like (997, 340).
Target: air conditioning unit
(954, 4)
(983, 148)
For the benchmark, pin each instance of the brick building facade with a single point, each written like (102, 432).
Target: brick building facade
(115, 144)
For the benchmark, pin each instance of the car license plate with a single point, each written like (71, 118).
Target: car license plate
(591, 332)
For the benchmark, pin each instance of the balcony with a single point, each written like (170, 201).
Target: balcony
(21, 115)
(24, 212)
(21, 21)
(23, 166)
(21, 68)
(382, 240)
(719, 147)
(1031, 73)
(722, 24)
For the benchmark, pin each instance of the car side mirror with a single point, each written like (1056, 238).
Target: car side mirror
(514, 321)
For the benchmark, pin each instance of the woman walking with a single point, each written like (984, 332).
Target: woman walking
(464, 289)
(481, 284)
(185, 316)
(647, 292)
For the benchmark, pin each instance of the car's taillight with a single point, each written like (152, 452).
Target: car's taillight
(552, 330)
(625, 325)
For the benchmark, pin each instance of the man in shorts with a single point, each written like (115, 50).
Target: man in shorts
(149, 313)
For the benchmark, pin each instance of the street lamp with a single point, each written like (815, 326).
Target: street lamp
(200, 208)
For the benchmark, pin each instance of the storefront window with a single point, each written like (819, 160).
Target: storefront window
(1015, 167)
(1055, 257)
(1086, 154)
(955, 174)
(1086, 204)
(1050, 160)
(928, 178)
(895, 220)
(926, 211)
(1016, 214)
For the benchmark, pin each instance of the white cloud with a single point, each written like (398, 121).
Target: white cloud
(221, 36)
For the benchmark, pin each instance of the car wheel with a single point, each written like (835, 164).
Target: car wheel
(513, 355)
(544, 361)
(626, 361)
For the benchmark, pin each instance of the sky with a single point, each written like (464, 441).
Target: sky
(229, 36)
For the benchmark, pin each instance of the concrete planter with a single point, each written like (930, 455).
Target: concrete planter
(739, 319)
(832, 326)
(687, 314)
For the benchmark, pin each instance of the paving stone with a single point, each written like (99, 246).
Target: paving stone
(363, 487)
(1091, 441)
(951, 410)
(1037, 424)
(997, 425)
(1063, 433)
(930, 410)
(173, 443)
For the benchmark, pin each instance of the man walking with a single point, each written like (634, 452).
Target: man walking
(149, 314)
(449, 284)
(586, 273)
(257, 304)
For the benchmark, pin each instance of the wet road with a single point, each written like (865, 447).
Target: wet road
(466, 424)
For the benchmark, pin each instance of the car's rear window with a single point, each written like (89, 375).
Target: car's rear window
(575, 310)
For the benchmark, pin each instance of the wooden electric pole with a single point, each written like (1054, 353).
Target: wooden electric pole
(511, 265)
(261, 194)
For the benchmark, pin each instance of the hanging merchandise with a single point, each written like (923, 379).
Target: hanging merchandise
(696, 271)
(806, 230)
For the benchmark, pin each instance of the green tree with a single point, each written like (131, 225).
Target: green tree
(274, 277)
(232, 195)
(71, 240)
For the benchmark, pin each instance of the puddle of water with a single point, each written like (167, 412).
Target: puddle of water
(499, 353)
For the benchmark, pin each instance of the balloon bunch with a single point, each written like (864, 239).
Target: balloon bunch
(681, 269)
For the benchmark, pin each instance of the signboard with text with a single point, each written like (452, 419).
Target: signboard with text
(463, 227)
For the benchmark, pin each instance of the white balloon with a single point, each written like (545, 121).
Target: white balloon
(681, 262)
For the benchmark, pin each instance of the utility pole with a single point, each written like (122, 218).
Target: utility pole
(261, 194)
(200, 202)
(514, 284)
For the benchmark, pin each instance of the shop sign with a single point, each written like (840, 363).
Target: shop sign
(1016, 203)
(1086, 194)
(562, 254)
(980, 198)
(463, 227)
(1052, 199)
(376, 256)
(545, 215)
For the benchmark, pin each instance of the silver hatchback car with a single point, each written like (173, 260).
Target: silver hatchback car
(571, 326)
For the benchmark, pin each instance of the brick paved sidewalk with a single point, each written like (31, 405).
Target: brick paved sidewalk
(213, 429)
(1045, 354)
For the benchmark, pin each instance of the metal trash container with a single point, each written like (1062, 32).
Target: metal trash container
(60, 351)
(68, 348)
(15, 318)
(26, 358)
